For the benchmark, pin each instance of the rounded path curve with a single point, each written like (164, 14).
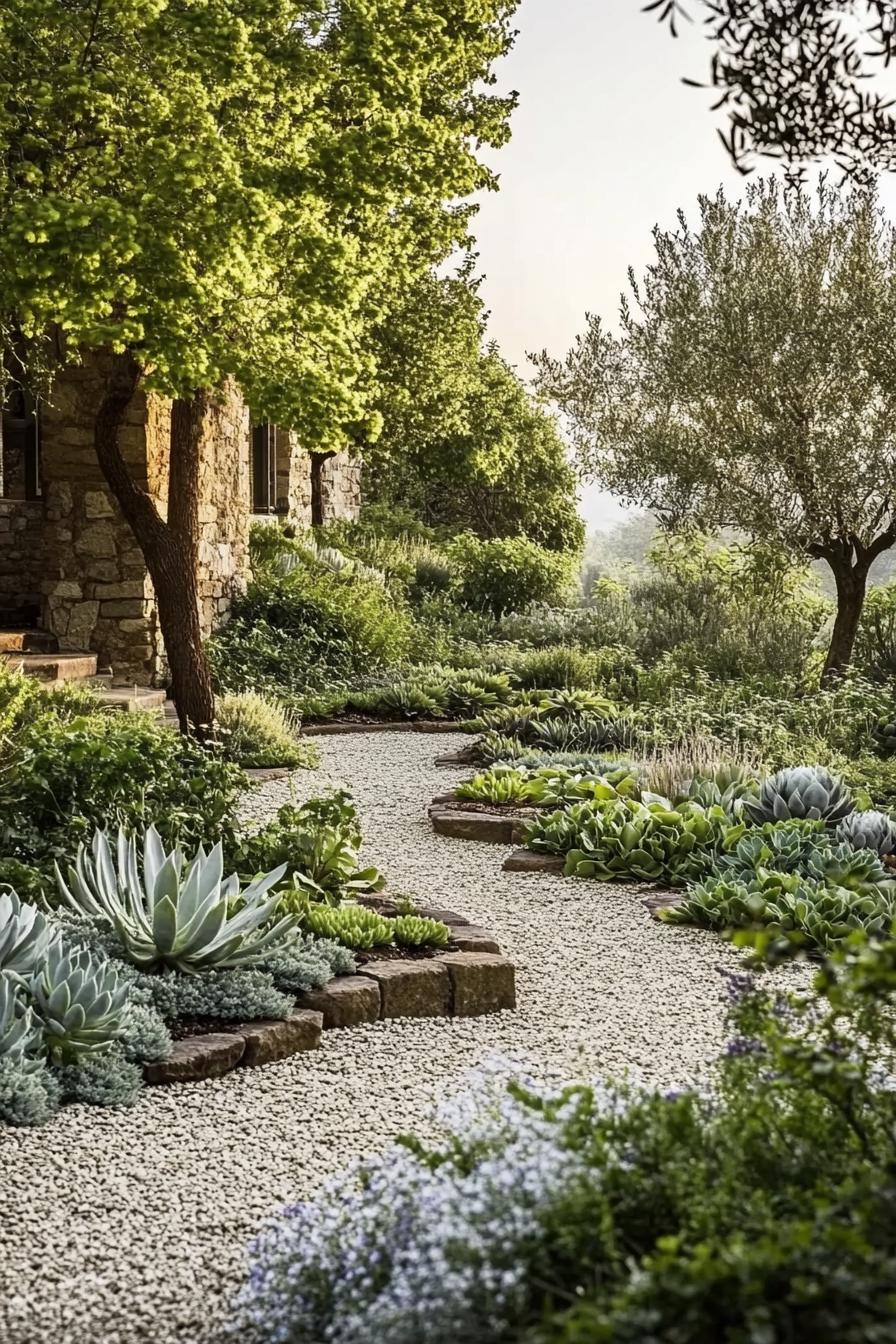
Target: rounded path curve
(125, 1227)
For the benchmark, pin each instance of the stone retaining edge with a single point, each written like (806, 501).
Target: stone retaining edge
(469, 980)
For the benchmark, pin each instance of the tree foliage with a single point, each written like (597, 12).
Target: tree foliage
(752, 384)
(464, 445)
(224, 188)
(800, 81)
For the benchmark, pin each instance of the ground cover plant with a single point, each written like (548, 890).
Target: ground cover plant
(759, 1205)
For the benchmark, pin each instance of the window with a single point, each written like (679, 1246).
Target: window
(21, 446)
(264, 469)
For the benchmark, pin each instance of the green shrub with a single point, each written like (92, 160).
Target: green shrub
(319, 844)
(875, 651)
(305, 629)
(507, 573)
(257, 731)
(64, 776)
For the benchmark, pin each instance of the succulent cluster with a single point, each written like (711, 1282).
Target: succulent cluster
(549, 785)
(820, 913)
(629, 840)
(360, 929)
(805, 792)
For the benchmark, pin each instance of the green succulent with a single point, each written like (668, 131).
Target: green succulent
(178, 913)
(576, 733)
(552, 786)
(20, 1034)
(782, 847)
(410, 701)
(862, 830)
(500, 784)
(822, 913)
(574, 703)
(726, 787)
(804, 791)
(418, 931)
(494, 746)
(24, 936)
(883, 735)
(351, 925)
(80, 1001)
(629, 840)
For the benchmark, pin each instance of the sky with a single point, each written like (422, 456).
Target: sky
(607, 142)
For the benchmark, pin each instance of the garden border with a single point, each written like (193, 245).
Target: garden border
(336, 727)
(470, 978)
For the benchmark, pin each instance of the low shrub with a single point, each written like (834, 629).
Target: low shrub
(67, 772)
(257, 731)
(318, 845)
(507, 573)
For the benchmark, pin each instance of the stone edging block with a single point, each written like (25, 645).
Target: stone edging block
(527, 861)
(489, 827)
(411, 988)
(346, 1001)
(197, 1057)
(271, 1039)
(481, 983)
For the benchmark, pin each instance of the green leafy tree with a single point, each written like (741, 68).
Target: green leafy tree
(228, 190)
(464, 445)
(752, 386)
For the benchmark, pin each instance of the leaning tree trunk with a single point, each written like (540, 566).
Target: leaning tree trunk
(317, 487)
(852, 582)
(170, 548)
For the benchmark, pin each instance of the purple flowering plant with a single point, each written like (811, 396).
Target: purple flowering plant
(760, 1205)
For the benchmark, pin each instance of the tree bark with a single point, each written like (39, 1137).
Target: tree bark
(317, 492)
(851, 580)
(170, 549)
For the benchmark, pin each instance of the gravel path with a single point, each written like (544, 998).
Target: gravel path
(118, 1227)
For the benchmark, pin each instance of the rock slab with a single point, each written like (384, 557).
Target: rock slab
(481, 982)
(412, 988)
(271, 1039)
(527, 861)
(346, 1001)
(486, 826)
(197, 1057)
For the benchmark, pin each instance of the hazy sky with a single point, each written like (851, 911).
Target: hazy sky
(606, 143)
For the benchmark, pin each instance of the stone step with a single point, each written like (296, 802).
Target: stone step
(54, 666)
(28, 641)
(131, 699)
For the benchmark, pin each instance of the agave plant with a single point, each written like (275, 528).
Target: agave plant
(576, 733)
(862, 830)
(24, 936)
(776, 847)
(20, 1035)
(179, 913)
(80, 1001)
(803, 791)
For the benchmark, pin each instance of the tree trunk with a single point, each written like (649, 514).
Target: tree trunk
(851, 580)
(317, 491)
(170, 549)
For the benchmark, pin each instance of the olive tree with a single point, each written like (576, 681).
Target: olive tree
(752, 383)
(799, 81)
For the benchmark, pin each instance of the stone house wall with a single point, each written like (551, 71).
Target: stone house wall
(74, 552)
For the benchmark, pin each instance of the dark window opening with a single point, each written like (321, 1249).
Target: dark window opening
(264, 469)
(21, 446)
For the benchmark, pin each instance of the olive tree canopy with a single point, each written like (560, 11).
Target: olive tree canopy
(753, 382)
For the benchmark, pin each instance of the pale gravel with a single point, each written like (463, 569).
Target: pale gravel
(119, 1227)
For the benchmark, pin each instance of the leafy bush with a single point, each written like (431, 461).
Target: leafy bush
(67, 773)
(625, 840)
(760, 1208)
(507, 573)
(307, 629)
(258, 731)
(875, 651)
(317, 843)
